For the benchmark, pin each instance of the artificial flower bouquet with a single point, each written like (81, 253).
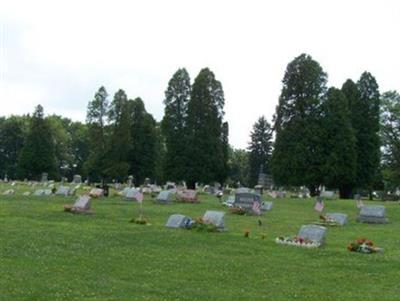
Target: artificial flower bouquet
(326, 221)
(363, 245)
(297, 241)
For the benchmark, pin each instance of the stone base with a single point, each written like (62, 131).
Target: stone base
(372, 220)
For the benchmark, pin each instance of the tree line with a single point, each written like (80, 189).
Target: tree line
(346, 138)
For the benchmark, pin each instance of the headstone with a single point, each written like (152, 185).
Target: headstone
(187, 196)
(242, 190)
(164, 197)
(340, 218)
(96, 192)
(26, 193)
(47, 192)
(230, 201)
(77, 179)
(245, 200)
(373, 215)
(42, 192)
(63, 190)
(82, 203)
(313, 233)
(327, 194)
(259, 189)
(125, 191)
(131, 194)
(8, 192)
(178, 221)
(266, 206)
(130, 181)
(44, 177)
(215, 217)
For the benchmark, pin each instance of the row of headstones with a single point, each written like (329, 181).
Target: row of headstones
(165, 196)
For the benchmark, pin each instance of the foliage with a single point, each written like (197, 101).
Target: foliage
(339, 144)
(205, 151)
(174, 125)
(390, 137)
(38, 153)
(298, 154)
(238, 166)
(260, 149)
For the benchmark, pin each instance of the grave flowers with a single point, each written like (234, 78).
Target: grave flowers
(363, 245)
(326, 221)
(200, 225)
(297, 241)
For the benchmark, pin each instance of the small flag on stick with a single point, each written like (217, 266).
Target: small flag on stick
(319, 205)
(256, 208)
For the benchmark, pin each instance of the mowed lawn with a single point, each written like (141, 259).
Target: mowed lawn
(49, 255)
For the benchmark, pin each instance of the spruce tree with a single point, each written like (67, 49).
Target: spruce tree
(260, 149)
(176, 101)
(119, 144)
(96, 119)
(298, 154)
(38, 153)
(205, 148)
(340, 144)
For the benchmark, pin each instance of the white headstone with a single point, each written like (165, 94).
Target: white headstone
(215, 217)
(313, 233)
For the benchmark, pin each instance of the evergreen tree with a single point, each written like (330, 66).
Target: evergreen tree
(79, 147)
(96, 119)
(205, 148)
(340, 144)
(143, 155)
(368, 142)
(117, 157)
(38, 153)
(298, 155)
(260, 149)
(238, 166)
(176, 101)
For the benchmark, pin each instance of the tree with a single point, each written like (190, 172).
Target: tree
(96, 119)
(368, 142)
(12, 135)
(79, 146)
(38, 153)
(260, 149)
(143, 154)
(205, 147)
(297, 156)
(390, 137)
(238, 166)
(340, 144)
(174, 129)
(120, 143)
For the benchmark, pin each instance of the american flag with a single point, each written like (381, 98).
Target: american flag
(360, 204)
(256, 208)
(319, 206)
(139, 196)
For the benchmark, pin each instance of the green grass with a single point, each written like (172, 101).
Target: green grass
(46, 254)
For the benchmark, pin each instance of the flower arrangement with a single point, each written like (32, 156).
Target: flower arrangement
(297, 241)
(237, 210)
(363, 245)
(326, 221)
(201, 226)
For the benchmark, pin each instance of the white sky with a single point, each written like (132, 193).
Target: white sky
(58, 53)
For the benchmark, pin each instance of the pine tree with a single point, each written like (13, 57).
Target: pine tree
(174, 129)
(119, 146)
(260, 149)
(38, 154)
(297, 156)
(205, 149)
(96, 119)
(340, 144)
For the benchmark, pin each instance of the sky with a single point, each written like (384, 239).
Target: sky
(58, 53)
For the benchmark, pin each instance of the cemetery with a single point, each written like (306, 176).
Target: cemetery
(35, 232)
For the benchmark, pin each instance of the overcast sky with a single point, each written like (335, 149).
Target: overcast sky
(58, 53)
